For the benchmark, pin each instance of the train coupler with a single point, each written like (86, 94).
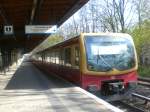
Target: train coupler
(111, 88)
(117, 87)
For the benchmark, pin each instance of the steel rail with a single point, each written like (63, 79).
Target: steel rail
(125, 106)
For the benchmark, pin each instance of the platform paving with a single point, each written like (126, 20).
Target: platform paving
(28, 90)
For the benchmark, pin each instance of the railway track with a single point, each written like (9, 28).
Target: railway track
(135, 104)
(126, 107)
(144, 81)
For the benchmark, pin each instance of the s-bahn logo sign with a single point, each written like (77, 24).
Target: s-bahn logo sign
(8, 30)
(40, 29)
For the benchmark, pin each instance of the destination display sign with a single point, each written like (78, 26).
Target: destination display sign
(40, 29)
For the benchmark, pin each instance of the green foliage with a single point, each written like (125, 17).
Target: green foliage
(144, 71)
(141, 35)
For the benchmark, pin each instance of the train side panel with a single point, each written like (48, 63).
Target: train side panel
(68, 64)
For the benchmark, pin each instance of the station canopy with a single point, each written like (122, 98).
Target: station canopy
(19, 13)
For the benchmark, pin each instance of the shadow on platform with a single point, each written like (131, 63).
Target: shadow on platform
(29, 77)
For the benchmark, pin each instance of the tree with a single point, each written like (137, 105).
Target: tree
(141, 39)
(142, 10)
(117, 15)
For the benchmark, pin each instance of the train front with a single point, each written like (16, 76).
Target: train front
(110, 63)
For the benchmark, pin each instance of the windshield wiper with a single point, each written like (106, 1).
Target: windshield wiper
(107, 64)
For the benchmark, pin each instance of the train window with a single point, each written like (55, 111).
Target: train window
(53, 57)
(40, 57)
(61, 57)
(1, 60)
(77, 56)
(68, 56)
(48, 57)
(57, 57)
(43, 57)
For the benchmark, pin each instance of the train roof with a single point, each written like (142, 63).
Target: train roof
(46, 43)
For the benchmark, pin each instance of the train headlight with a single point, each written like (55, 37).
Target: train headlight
(92, 88)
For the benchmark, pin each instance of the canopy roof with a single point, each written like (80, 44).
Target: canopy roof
(34, 12)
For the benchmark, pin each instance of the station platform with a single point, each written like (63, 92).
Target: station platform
(29, 90)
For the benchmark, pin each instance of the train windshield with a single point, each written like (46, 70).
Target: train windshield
(105, 53)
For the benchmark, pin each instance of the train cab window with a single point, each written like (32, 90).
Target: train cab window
(106, 53)
(77, 56)
(68, 56)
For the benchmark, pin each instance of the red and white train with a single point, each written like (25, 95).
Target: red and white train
(105, 62)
